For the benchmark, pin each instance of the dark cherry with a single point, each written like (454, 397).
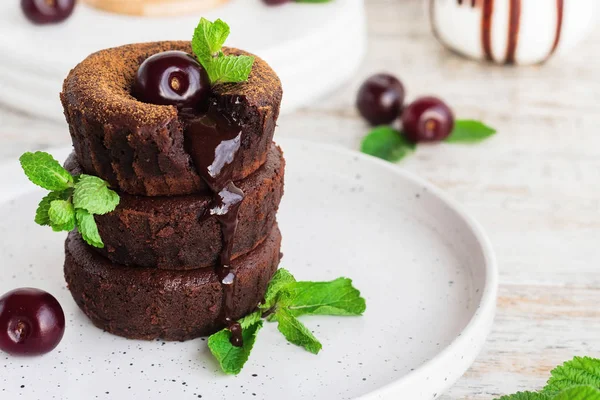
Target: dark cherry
(32, 322)
(276, 2)
(427, 119)
(380, 99)
(47, 11)
(172, 78)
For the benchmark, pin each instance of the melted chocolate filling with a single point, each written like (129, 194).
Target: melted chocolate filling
(213, 140)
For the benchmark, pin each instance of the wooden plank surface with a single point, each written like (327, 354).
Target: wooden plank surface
(535, 187)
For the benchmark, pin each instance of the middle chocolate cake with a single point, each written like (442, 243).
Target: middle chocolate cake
(167, 232)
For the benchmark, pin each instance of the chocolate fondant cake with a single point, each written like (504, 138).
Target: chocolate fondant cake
(194, 241)
(139, 147)
(164, 232)
(147, 303)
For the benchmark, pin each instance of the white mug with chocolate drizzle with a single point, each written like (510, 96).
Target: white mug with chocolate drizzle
(511, 31)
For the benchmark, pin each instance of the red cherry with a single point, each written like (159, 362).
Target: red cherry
(32, 322)
(380, 99)
(47, 11)
(427, 119)
(172, 78)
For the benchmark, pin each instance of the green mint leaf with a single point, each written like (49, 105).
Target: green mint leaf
(200, 45)
(92, 194)
(68, 227)
(469, 131)
(43, 170)
(208, 39)
(41, 214)
(525, 396)
(578, 371)
(217, 35)
(578, 393)
(295, 332)
(232, 358)
(282, 279)
(337, 297)
(250, 319)
(386, 143)
(61, 213)
(86, 225)
(231, 69)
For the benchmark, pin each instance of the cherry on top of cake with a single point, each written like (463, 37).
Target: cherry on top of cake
(172, 78)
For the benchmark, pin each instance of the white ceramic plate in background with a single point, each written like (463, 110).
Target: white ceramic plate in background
(425, 268)
(35, 59)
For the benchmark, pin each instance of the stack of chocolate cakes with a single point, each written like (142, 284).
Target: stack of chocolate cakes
(194, 241)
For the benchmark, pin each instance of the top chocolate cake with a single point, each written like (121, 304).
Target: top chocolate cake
(139, 148)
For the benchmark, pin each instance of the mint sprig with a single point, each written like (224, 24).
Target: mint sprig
(209, 38)
(578, 379)
(391, 145)
(73, 200)
(285, 300)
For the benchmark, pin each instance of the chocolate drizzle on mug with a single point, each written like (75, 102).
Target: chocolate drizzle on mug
(560, 4)
(486, 29)
(213, 141)
(514, 24)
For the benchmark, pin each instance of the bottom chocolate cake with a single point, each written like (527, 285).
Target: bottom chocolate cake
(147, 303)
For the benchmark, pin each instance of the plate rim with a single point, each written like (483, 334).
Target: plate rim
(15, 184)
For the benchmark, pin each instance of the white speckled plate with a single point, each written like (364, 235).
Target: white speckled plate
(425, 268)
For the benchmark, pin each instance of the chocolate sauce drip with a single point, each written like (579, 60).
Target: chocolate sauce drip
(236, 335)
(213, 140)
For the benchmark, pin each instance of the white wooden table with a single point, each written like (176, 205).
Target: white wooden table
(535, 187)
